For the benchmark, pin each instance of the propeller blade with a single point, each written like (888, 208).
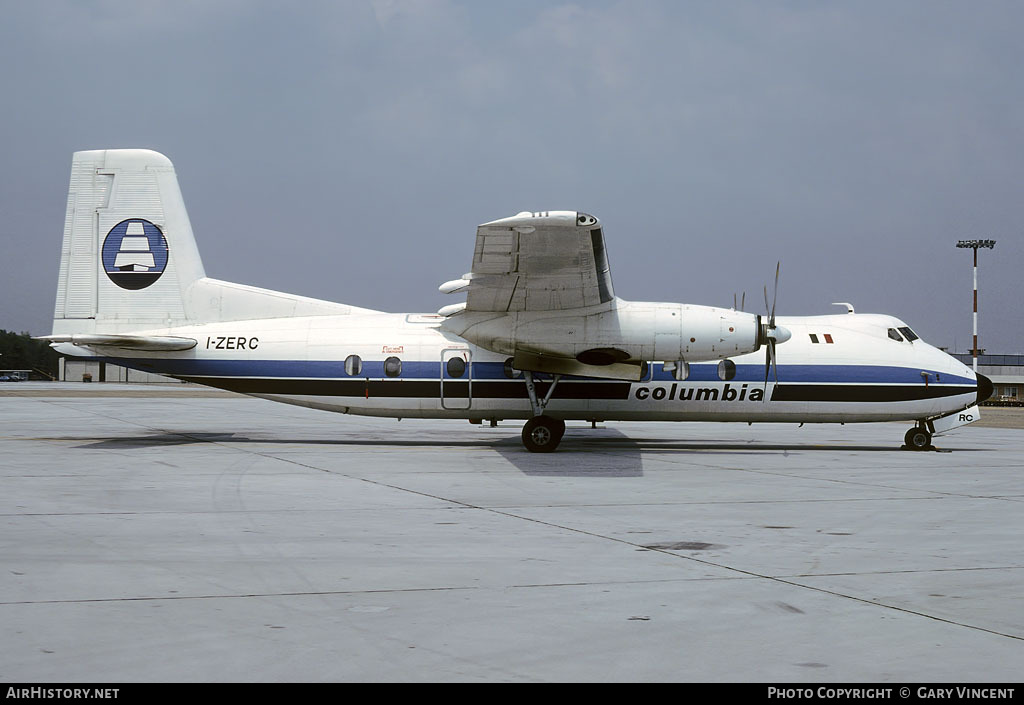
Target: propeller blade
(770, 361)
(770, 333)
(767, 364)
(775, 294)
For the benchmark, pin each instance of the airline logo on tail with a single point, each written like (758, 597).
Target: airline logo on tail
(134, 254)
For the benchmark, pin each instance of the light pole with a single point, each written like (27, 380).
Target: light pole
(974, 245)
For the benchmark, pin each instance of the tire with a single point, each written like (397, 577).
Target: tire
(918, 438)
(541, 434)
(559, 429)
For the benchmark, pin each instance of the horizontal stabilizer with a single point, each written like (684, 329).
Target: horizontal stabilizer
(150, 343)
(568, 366)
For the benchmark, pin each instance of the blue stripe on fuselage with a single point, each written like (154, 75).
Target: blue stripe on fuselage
(329, 369)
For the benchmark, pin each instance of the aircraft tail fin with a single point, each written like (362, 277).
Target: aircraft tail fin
(129, 261)
(128, 254)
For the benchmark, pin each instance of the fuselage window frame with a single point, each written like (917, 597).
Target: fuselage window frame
(455, 367)
(393, 367)
(726, 370)
(353, 365)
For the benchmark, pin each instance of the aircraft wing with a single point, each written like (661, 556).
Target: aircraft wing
(546, 261)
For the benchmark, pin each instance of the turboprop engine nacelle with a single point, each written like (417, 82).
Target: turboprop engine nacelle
(620, 332)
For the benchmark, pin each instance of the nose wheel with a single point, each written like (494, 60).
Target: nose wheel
(918, 438)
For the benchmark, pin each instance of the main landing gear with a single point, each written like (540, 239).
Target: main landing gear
(918, 438)
(542, 433)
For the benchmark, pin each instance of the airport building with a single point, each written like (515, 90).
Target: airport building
(1006, 373)
(70, 369)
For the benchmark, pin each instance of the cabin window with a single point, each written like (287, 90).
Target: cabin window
(680, 369)
(910, 335)
(353, 365)
(895, 335)
(456, 367)
(726, 370)
(814, 338)
(392, 367)
(828, 338)
(510, 371)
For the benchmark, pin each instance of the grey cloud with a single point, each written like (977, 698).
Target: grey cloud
(855, 142)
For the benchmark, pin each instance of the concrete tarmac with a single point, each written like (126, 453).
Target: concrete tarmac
(204, 538)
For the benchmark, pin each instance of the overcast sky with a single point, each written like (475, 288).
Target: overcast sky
(348, 150)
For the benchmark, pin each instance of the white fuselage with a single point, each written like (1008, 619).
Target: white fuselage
(853, 373)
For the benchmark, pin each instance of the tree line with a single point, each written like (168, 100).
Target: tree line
(19, 352)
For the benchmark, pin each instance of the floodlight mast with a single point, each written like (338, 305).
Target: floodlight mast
(974, 245)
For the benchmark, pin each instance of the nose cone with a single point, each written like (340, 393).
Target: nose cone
(984, 388)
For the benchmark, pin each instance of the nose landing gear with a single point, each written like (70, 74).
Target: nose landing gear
(918, 438)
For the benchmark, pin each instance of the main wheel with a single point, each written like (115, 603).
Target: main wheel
(559, 429)
(542, 434)
(918, 438)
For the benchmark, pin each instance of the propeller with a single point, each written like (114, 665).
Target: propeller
(772, 335)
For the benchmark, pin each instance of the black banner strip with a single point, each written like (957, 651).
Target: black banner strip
(488, 389)
(864, 393)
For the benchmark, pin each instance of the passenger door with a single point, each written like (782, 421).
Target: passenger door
(456, 378)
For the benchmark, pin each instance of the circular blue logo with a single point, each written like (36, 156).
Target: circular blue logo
(134, 254)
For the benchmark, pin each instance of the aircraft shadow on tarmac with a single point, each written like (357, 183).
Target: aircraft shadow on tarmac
(601, 452)
(609, 454)
(604, 453)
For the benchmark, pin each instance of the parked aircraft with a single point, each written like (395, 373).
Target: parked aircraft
(541, 336)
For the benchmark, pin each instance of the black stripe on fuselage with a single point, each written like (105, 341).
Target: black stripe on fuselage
(864, 393)
(416, 389)
(516, 389)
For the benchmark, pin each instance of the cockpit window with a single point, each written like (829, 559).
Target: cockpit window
(909, 334)
(894, 334)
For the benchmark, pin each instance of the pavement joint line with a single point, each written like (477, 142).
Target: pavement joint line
(305, 593)
(520, 507)
(904, 572)
(753, 574)
(748, 573)
(378, 591)
(477, 588)
(835, 480)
